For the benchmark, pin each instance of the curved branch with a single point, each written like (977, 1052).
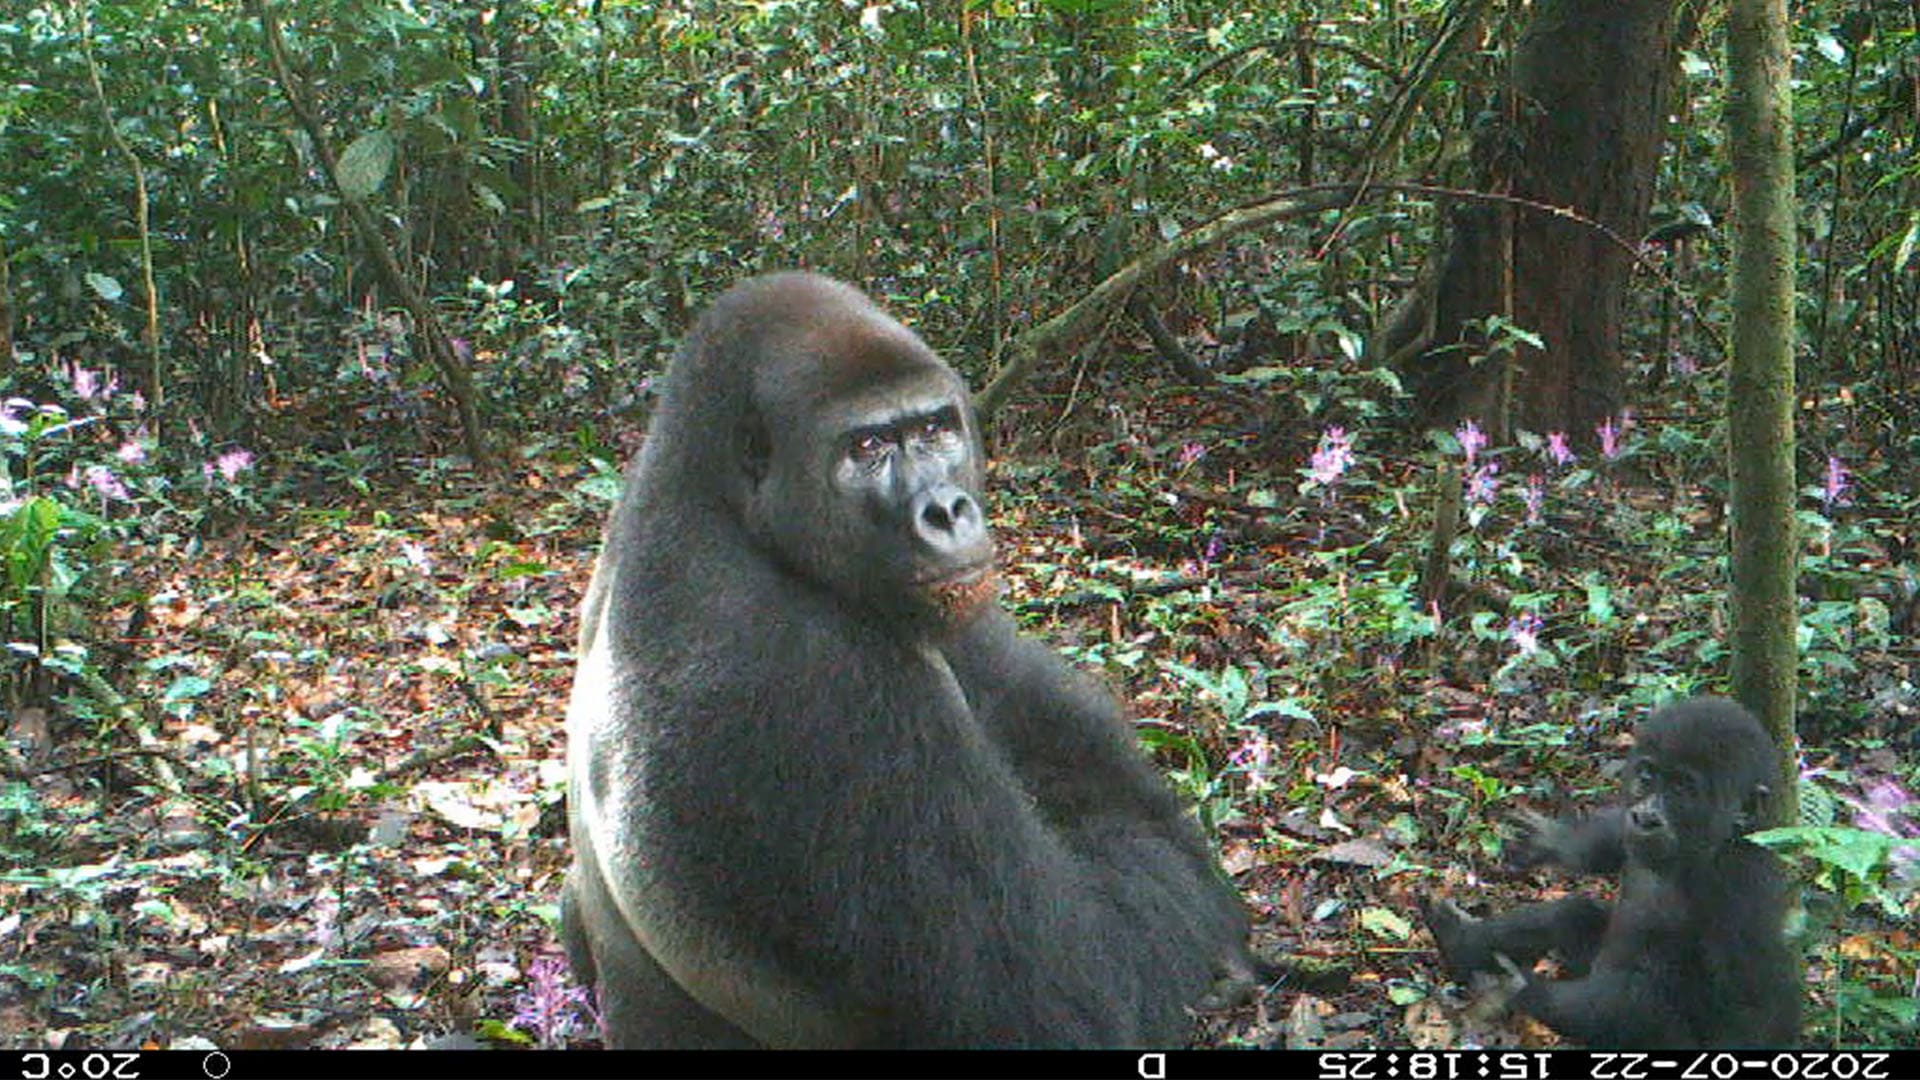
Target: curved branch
(1066, 331)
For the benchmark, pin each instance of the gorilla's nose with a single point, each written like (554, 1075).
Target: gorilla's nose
(948, 521)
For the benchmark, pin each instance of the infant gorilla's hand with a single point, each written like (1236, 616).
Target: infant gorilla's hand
(1540, 840)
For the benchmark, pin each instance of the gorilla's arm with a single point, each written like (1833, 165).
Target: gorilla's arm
(1606, 1008)
(1073, 749)
(1647, 958)
(899, 888)
(1065, 736)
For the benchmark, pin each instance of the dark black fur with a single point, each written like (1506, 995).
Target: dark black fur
(1692, 952)
(823, 793)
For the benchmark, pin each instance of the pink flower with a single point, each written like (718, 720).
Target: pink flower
(1333, 458)
(1472, 440)
(101, 479)
(1558, 450)
(1838, 483)
(1525, 633)
(1482, 485)
(1609, 439)
(229, 464)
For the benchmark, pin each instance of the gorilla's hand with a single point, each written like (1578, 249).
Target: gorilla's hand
(1594, 844)
(1234, 982)
(1538, 841)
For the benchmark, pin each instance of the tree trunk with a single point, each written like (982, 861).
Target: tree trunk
(1760, 394)
(6, 317)
(1581, 129)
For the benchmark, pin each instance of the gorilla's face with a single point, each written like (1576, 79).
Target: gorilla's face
(875, 491)
(1672, 815)
(1698, 778)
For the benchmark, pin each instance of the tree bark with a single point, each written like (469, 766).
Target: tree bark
(6, 316)
(1581, 130)
(1760, 394)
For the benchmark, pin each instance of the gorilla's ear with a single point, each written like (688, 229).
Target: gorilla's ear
(756, 448)
(1757, 809)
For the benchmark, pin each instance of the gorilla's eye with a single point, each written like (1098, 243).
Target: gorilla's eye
(868, 445)
(937, 425)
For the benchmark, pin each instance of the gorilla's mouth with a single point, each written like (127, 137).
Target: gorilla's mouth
(964, 590)
(963, 577)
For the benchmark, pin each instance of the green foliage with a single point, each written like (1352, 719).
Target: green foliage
(1853, 864)
(38, 540)
(1873, 864)
(27, 833)
(48, 544)
(569, 183)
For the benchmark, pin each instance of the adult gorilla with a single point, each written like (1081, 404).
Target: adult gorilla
(822, 793)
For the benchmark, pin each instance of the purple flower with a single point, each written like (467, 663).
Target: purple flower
(231, 464)
(1191, 453)
(1472, 440)
(1333, 457)
(1838, 484)
(86, 383)
(1534, 496)
(1884, 807)
(1524, 632)
(1254, 757)
(1609, 439)
(1558, 451)
(131, 452)
(1482, 485)
(549, 1009)
(101, 479)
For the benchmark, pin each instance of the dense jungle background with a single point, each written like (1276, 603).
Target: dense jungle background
(1356, 378)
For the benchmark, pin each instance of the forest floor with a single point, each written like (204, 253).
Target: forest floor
(345, 825)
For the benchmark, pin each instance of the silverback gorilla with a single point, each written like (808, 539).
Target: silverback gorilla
(1692, 952)
(823, 794)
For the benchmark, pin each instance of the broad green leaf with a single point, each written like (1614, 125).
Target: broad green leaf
(365, 164)
(1385, 923)
(108, 288)
(1905, 251)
